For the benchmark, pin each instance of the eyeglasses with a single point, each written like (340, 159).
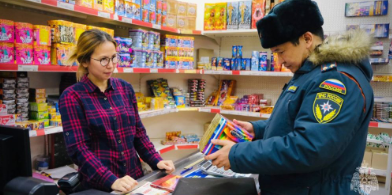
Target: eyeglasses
(105, 61)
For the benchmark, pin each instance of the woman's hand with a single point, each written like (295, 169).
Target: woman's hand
(166, 165)
(125, 184)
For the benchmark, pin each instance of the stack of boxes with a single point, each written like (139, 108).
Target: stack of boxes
(145, 49)
(100, 5)
(196, 90)
(181, 15)
(178, 52)
(38, 106)
(22, 97)
(124, 47)
(8, 101)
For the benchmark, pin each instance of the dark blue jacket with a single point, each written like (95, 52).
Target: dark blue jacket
(316, 136)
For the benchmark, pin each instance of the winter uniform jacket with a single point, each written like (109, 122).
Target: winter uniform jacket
(316, 136)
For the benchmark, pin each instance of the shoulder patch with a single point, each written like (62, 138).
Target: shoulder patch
(292, 88)
(327, 67)
(334, 85)
(326, 107)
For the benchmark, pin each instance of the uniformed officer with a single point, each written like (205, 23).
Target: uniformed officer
(316, 136)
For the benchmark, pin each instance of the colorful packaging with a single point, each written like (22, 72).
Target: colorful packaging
(7, 53)
(137, 10)
(7, 33)
(171, 21)
(149, 58)
(119, 8)
(255, 61)
(153, 6)
(223, 129)
(245, 14)
(159, 59)
(214, 63)
(258, 11)
(181, 8)
(38, 107)
(191, 23)
(236, 64)
(125, 60)
(8, 120)
(275, 61)
(164, 7)
(226, 64)
(172, 7)
(209, 16)
(225, 90)
(62, 31)
(159, 19)
(263, 65)
(108, 6)
(98, 5)
(60, 53)
(39, 115)
(123, 44)
(186, 63)
(24, 53)
(191, 10)
(41, 55)
(42, 35)
(146, 4)
(220, 16)
(139, 57)
(79, 29)
(180, 101)
(239, 51)
(182, 22)
(23, 33)
(232, 15)
(145, 15)
(85, 3)
(128, 9)
(152, 17)
(164, 20)
(171, 62)
(234, 51)
(244, 65)
(219, 63)
(159, 6)
(45, 121)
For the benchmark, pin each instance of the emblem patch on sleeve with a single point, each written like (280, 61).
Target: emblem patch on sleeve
(334, 85)
(326, 107)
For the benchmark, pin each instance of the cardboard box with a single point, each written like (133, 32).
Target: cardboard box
(379, 160)
(171, 21)
(119, 7)
(245, 14)
(7, 120)
(209, 16)
(45, 121)
(191, 10)
(38, 107)
(258, 11)
(232, 15)
(39, 115)
(181, 8)
(171, 7)
(367, 158)
(3, 110)
(108, 6)
(98, 5)
(204, 53)
(85, 3)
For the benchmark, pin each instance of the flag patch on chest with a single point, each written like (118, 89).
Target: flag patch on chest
(292, 88)
(334, 85)
(326, 107)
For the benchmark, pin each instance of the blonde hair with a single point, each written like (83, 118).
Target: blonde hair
(88, 41)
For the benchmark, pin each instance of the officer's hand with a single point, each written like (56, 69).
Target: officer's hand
(245, 125)
(124, 185)
(221, 157)
(166, 165)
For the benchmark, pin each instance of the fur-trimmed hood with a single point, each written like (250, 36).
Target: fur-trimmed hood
(352, 47)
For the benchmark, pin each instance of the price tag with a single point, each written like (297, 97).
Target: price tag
(37, 1)
(65, 5)
(28, 68)
(103, 14)
(128, 70)
(33, 133)
(226, 72)
(156, 26)
(153, 70)
(127, 20)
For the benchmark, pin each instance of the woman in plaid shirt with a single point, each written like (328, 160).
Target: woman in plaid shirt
(103, 131)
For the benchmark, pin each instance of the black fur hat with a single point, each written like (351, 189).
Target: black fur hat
(288, 20)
